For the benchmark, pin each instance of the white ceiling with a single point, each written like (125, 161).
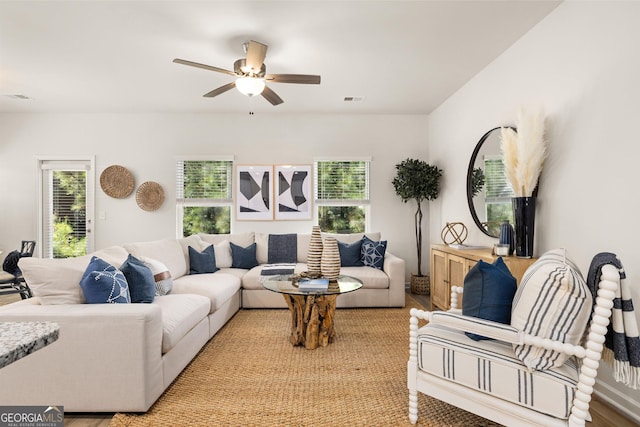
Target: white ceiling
(403, 57)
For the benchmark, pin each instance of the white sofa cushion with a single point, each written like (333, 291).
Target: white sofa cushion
(240, 239)
(372, 278)
(57, 281)
(218, 287)
(180, 314)
(167, 251)
(491, 366)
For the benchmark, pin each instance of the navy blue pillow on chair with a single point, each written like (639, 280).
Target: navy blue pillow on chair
(488, 293)
(350, 254)
(202, 262)
(243, 257)
(142, 286)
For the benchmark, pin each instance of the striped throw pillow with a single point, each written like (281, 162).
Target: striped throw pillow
(552, 301)
(161, 275)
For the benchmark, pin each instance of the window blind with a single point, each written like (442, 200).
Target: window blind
(204, 180)
(342, 181)
(496, 183)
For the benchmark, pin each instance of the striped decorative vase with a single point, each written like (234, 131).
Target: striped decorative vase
(330, 262)
(314, 254)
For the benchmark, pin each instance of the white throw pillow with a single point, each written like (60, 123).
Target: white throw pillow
(262, 247)
(222, 250)
(553, 301)
(161, 275)
(303, 246)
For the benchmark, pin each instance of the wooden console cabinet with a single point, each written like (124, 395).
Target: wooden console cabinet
(449, 266)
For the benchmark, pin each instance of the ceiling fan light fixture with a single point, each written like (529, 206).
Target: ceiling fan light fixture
(250, 86)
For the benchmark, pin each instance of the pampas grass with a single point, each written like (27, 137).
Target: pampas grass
(524, 152)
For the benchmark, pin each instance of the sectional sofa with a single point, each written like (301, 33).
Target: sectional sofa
(121, 357)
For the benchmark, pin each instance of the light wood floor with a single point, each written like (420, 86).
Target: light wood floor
(603, 414)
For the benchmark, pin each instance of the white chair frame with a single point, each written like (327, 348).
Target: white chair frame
(494, 408)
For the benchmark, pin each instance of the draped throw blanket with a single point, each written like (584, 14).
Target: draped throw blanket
(622, 343)
(269, 270)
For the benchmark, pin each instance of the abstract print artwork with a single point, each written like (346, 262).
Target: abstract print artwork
(254, 199)
(293, 192)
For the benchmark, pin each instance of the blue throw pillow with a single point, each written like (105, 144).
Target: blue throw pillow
(202, 262)
(283, 248)
(373, 252)
(103, 283)
(142, 286)
(488, 293)
(243, 257)
(350, 254)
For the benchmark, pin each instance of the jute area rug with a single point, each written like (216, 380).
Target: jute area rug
(249, 375)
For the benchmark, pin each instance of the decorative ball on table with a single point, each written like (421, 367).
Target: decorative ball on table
(454, 233)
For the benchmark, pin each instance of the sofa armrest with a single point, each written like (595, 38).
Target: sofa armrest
(77, 370)
(395, 269)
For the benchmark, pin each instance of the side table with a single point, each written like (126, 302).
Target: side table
(312, 312)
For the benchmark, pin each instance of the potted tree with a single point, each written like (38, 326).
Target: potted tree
(417, 180)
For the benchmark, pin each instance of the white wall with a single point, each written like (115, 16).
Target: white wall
(582, 65)
(147, 144)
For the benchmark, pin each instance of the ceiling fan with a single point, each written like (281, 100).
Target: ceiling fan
(250, 73)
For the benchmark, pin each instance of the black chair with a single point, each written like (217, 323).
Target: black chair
(11, 280)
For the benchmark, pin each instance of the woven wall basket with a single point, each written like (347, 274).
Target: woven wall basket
(150, 196)
(116, 181)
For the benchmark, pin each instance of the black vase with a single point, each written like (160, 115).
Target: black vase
(524, 214)
(507, 236)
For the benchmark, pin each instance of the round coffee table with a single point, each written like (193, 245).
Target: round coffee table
(312, 312)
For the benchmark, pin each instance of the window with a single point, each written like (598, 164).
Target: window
(203, 196)
(66, 207)
(342, 195)
(498, 194)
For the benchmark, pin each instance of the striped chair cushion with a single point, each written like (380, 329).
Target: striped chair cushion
(552, 301)
(491, 367)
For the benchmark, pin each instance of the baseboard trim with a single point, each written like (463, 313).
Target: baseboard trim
(616, 399)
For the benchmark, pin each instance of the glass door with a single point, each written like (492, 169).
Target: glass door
(66, 207)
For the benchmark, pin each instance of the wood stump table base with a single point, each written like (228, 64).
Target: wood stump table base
(311, 319)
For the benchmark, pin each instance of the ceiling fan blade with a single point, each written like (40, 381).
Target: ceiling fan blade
(204, 66)
(255, 55)
(271, 96)
(221, 89)
(293, 78)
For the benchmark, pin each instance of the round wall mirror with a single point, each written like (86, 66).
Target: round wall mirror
(488, 190)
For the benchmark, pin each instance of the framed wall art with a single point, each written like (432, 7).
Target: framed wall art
(254, 192)
(294, 192)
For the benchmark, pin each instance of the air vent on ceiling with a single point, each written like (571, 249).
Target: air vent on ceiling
(353, 98)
